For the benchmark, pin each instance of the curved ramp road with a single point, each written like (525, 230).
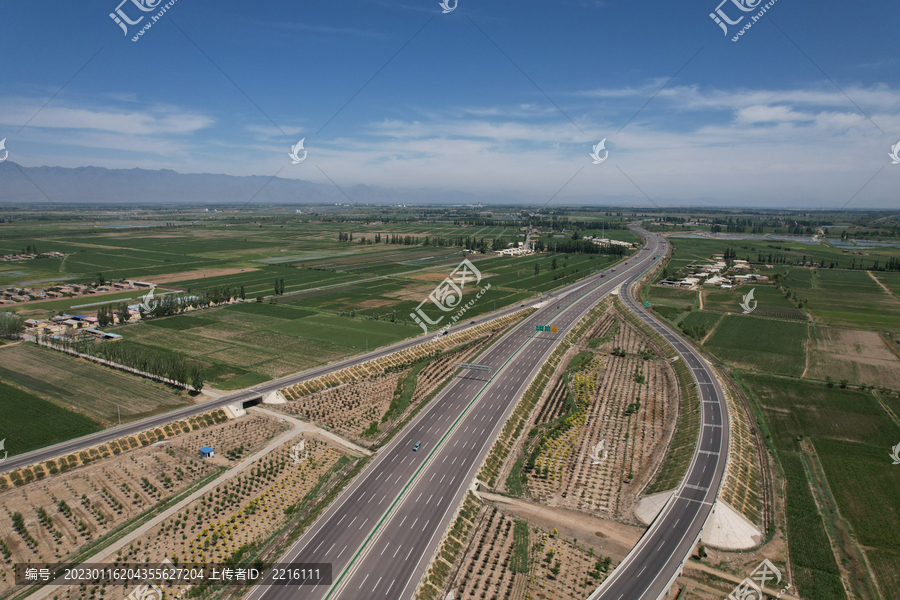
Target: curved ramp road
(381, 532)
(652, 566)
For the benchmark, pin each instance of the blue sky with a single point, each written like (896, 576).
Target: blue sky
(228, 87)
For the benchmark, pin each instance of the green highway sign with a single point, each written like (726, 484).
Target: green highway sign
(545, 328)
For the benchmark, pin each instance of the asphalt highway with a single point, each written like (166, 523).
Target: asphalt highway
(381, 532)
(655, 562)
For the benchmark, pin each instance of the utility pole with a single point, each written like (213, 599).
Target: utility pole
(120, 413)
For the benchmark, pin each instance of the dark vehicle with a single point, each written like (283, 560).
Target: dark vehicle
(602, 275)
(471, 322)
(417, 446)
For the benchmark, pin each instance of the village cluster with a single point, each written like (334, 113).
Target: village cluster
(717, 273)
(15, 295)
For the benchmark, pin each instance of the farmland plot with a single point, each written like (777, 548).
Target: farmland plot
(85, 387)
(858, 356)
(761, 344)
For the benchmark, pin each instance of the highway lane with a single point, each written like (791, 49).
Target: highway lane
(387, 524)
(77, 444)
(653, 564)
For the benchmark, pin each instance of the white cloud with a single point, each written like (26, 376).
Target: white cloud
(157, 120)
(749, 146)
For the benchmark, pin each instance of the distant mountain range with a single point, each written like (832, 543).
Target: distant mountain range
(98, 185)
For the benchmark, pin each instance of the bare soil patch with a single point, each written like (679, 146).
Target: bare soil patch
(859, 356)
(200, 274)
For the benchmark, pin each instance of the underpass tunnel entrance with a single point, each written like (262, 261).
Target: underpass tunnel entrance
(251, 402)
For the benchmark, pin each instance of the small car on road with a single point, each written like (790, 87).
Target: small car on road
(417, 446)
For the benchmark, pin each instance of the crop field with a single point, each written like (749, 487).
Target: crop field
(851, 299)
(799, 277)
(852, 436)
(884, 566)
(849, 466)
(519, 273)
(244, 346)
(332, 307)
(261, 280)
(20, 411)
(760, 344)
(861, 357)
(701, 318)
(891, 281)
(674, 295)
(79, 387)
(815, 570)
(397, 298)
(802, 408)
(343, 331)
(765, 294)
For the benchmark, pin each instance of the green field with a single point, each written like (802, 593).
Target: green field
(674, 295)
(816, 574)
(852, 436)
(765, 295)
(760, 344)
(852, 299)
(340, 296)
(21, 411)
(701, 318)
(98, 392)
